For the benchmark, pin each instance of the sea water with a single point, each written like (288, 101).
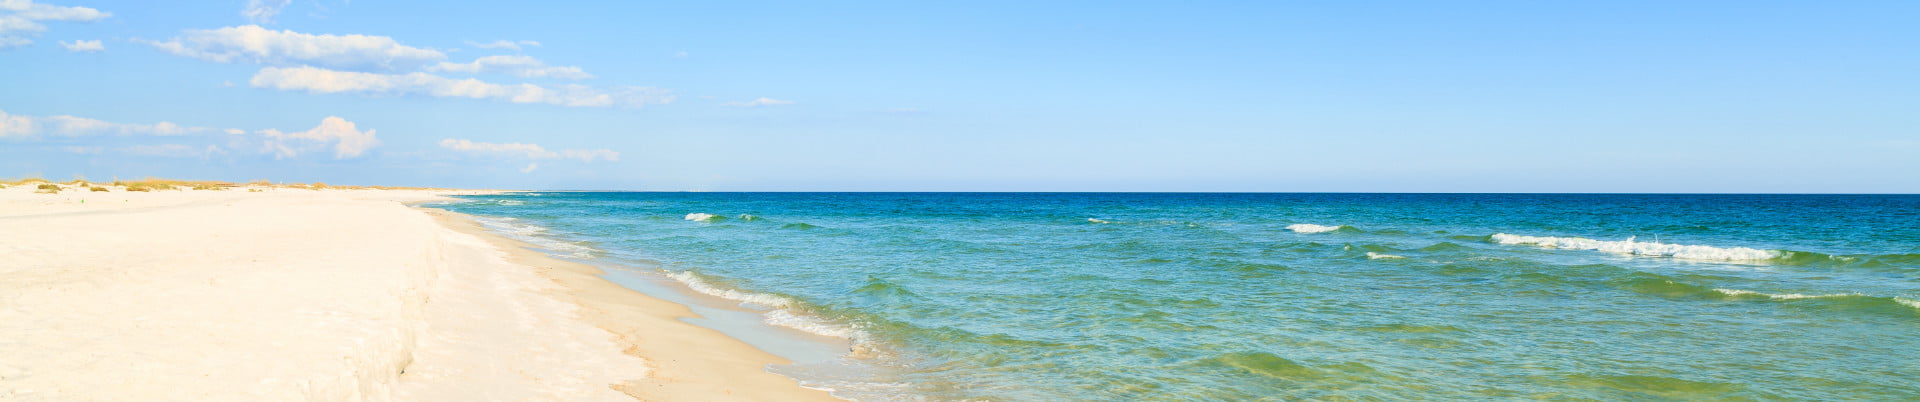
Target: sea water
(1011, 296)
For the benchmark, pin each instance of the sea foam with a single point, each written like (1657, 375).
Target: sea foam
(1630, 246)
(700, 285)
(702, 217)
(1311, 228)
(534, 234)
(1782, 296)
(1377, 256)
(783, 312)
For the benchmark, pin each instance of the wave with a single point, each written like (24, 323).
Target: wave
(1097, 220)
(1378, 256)
(1312, 228)
(750, 218)
(703, 217)
(1782, 296)
(1850, 300)
(816, 326)
(786, 312)
(534, 234)
(701, 285)
(1630, 246)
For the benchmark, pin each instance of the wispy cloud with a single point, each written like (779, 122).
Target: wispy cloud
(324, 81)
(251, 43)
(171, 150)
(83, 46)
(19, 17)
(524, 66)
(21, 126)
(263, 11)
(339, 135)
(503, 44)
(528, 151)
(763, 101)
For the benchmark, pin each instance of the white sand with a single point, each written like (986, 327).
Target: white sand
(295, 294)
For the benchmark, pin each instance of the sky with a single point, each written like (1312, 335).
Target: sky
(1266, 96)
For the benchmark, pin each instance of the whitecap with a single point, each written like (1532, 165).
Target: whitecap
(1908, 302)
(702, 217)
(1782, 296)
(1630, 246)
(1311, 228)
(1376, 256)
(1097, 220)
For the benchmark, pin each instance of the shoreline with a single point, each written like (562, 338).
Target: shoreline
(330, 294)
(711, 363)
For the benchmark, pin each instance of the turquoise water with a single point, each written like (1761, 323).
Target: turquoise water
(1291, 296)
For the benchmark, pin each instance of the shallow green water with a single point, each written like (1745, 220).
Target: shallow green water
(1291, 296)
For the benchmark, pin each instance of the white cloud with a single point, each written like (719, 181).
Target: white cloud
(528, 151)
(251, 43)
(524, 66)
(263, 11)
(83, 46)
(47, 12)
(16, 125)
(530, 168)
(334, 133)
(347, 140)
(71, 126)
(24, 16)
(503, 44)
(324, 81)
(170, 150)
(763, 101)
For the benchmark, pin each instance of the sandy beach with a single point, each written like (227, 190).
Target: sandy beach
(297, 294)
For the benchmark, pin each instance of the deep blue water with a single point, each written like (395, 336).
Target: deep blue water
(1020, 296)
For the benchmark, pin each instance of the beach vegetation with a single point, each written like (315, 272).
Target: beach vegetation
(48, 188)
(23, 181)
(97, 189)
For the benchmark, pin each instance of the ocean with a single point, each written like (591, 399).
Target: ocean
(1162, 296)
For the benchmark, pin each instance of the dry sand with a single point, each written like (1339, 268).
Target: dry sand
(292, 294)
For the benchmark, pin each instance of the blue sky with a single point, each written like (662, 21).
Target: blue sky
(1523, 96)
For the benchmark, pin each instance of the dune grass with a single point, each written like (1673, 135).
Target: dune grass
(23, 181)
(97, 189)
(48, 188)
(150, 184)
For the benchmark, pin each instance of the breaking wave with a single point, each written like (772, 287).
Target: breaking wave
(786, 312)
(1633, 247)
(703, 217)
(759, 299)
(1782, 296)
(1312, 228)
(535, 235)
(1845, 300)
